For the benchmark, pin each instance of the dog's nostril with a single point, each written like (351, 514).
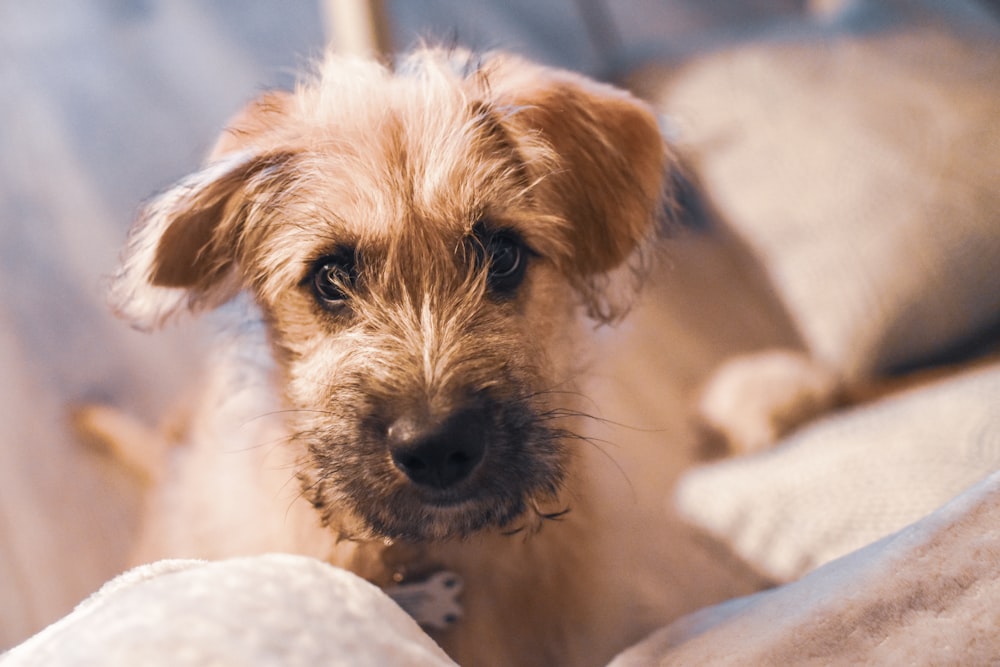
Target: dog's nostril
(410, 463)
(438, 455)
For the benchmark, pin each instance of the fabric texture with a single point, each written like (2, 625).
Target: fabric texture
(862, 171)
(923, 596)
(274, 610)
(851, 478)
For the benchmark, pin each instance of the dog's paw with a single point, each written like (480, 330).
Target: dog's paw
(754, 399)
(131, 442)
(432, 603)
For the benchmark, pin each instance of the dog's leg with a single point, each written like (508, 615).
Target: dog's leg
(754, 399)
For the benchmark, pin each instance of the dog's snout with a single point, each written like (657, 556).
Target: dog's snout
(438, 454)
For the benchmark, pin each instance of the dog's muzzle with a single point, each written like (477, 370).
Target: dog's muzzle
(411, 470)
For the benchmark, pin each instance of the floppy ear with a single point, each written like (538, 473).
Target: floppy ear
(610, 177)
(182, 249)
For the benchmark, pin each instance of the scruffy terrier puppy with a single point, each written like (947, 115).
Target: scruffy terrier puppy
(428, 247)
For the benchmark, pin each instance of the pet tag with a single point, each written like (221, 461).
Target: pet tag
(433, 603)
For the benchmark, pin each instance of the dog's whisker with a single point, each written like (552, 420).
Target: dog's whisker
(290, 411)
(567, 393)
(556, 516)
(302, 494)
(568, 413)
(599, 445)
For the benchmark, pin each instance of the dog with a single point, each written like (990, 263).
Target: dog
(426, 250)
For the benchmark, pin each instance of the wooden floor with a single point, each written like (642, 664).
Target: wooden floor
(104, 102)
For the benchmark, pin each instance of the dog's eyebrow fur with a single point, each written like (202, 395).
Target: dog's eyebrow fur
(488, 120)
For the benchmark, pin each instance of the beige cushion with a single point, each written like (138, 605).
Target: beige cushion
(865, 174)
(851, 478)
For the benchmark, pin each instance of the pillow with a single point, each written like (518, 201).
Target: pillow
(863, 173)
(850, 478)
(923, 596)
(275, 610)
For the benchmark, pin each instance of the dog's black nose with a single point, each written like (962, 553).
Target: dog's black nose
(438, 454)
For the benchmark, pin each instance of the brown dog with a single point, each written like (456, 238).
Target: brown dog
(428, 250)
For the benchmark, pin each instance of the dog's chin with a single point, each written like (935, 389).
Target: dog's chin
(445, 517)
(436, 523)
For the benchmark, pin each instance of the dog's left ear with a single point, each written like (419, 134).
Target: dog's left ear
(183, 249)
(612, 164)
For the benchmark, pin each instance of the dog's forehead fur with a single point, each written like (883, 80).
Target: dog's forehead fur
(384, 159)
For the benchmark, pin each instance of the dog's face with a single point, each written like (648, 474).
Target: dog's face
(420, 244)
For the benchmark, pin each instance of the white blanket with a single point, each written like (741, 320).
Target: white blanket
(263, 611)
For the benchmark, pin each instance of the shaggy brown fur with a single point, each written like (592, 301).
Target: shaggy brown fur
(424, 245)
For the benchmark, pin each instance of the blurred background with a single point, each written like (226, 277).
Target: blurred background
(103, 103)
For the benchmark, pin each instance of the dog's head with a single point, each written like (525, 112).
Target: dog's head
(419, 242)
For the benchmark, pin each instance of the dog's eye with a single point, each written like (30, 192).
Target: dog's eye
(331, 279)
(507, 262)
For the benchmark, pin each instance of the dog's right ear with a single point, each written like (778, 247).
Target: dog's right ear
(182, 249)
(609, 180)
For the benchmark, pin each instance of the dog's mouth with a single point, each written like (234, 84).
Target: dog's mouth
(455, 519)
(449, 500)
(482, 468)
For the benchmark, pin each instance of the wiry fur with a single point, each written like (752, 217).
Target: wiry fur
(406, 172)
